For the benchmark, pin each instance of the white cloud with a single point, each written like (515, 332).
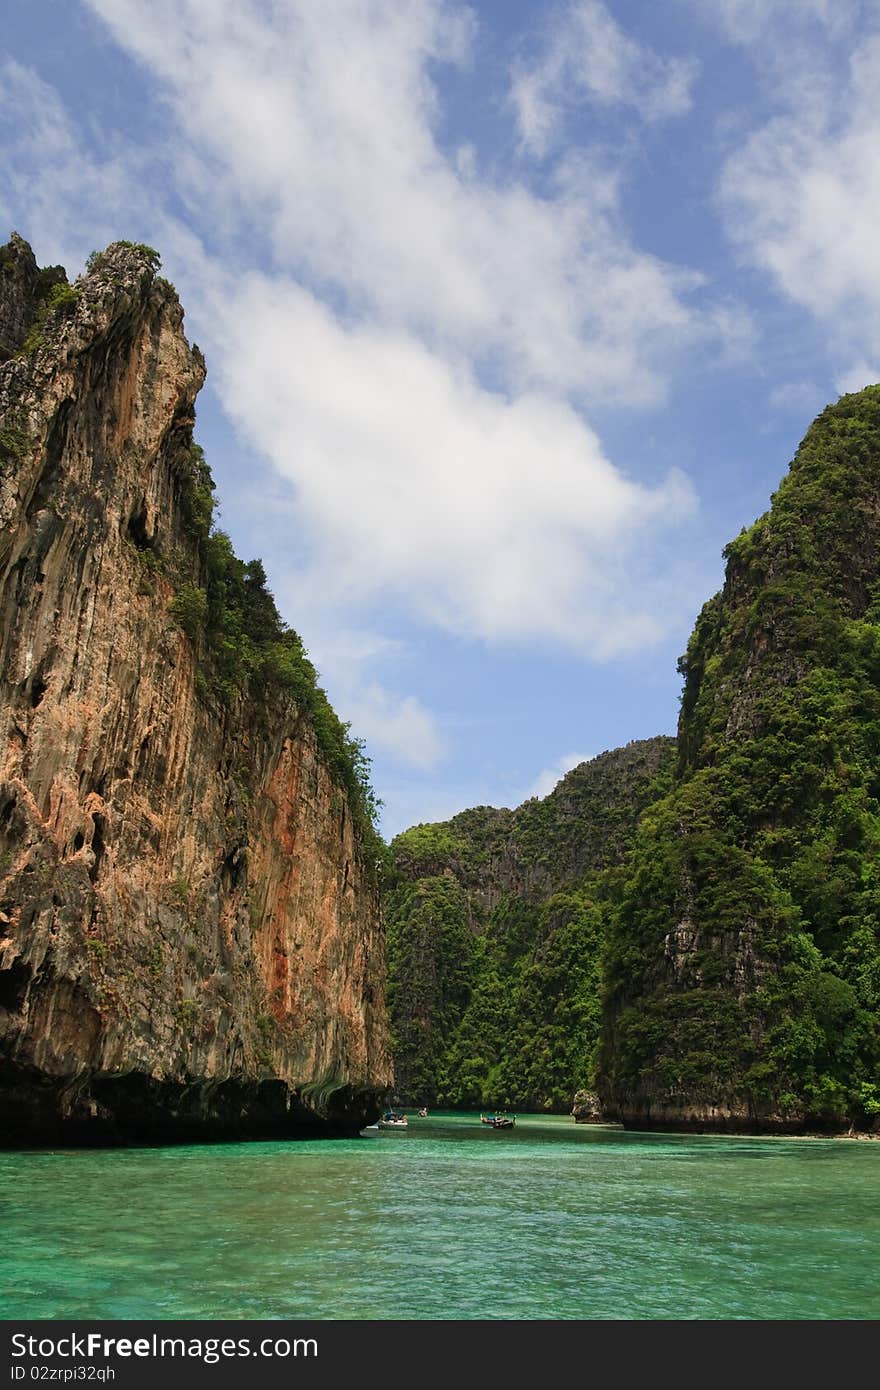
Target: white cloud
(405, 281)
(548, 778)
(68, 199)
(801, 200)
(494, 518)
(316, 126)
(796, 47)
(44, 181)
(410, 802)
(586, 58)
(428, 334)
(747, 21)
(857, 376)
(798, 397)
(399, 725)
(414, 803)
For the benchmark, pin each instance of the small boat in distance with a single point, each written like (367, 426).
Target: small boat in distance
(499, 1120)
(394, 1119)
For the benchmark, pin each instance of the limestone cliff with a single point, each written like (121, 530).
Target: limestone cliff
(191, 942)
(743, 961)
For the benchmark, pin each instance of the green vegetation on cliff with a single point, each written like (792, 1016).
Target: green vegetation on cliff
(244, 645)
(743, 966)
(32, 299)
(527, 1037)
(722, 915)
(494, 937)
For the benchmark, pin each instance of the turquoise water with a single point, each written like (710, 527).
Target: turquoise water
(448, 1220)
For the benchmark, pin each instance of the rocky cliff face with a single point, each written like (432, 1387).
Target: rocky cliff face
(743, 969)
(190, 935)
(495, 933)
(24, 291)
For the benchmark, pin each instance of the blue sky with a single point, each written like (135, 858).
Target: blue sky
(514, 314)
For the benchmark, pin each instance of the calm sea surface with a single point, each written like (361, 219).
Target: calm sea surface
(448, 1220)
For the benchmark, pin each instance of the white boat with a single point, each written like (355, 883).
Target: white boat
(393, 1119)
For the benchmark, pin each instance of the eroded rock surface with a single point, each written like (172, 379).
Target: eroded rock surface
(191, 941)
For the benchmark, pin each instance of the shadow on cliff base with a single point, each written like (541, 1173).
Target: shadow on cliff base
(107, 1111)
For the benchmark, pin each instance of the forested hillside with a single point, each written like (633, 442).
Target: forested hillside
(743, 966)
(494, 937)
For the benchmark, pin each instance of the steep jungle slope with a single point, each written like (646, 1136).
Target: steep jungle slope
(494, 935)
(743, 966)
